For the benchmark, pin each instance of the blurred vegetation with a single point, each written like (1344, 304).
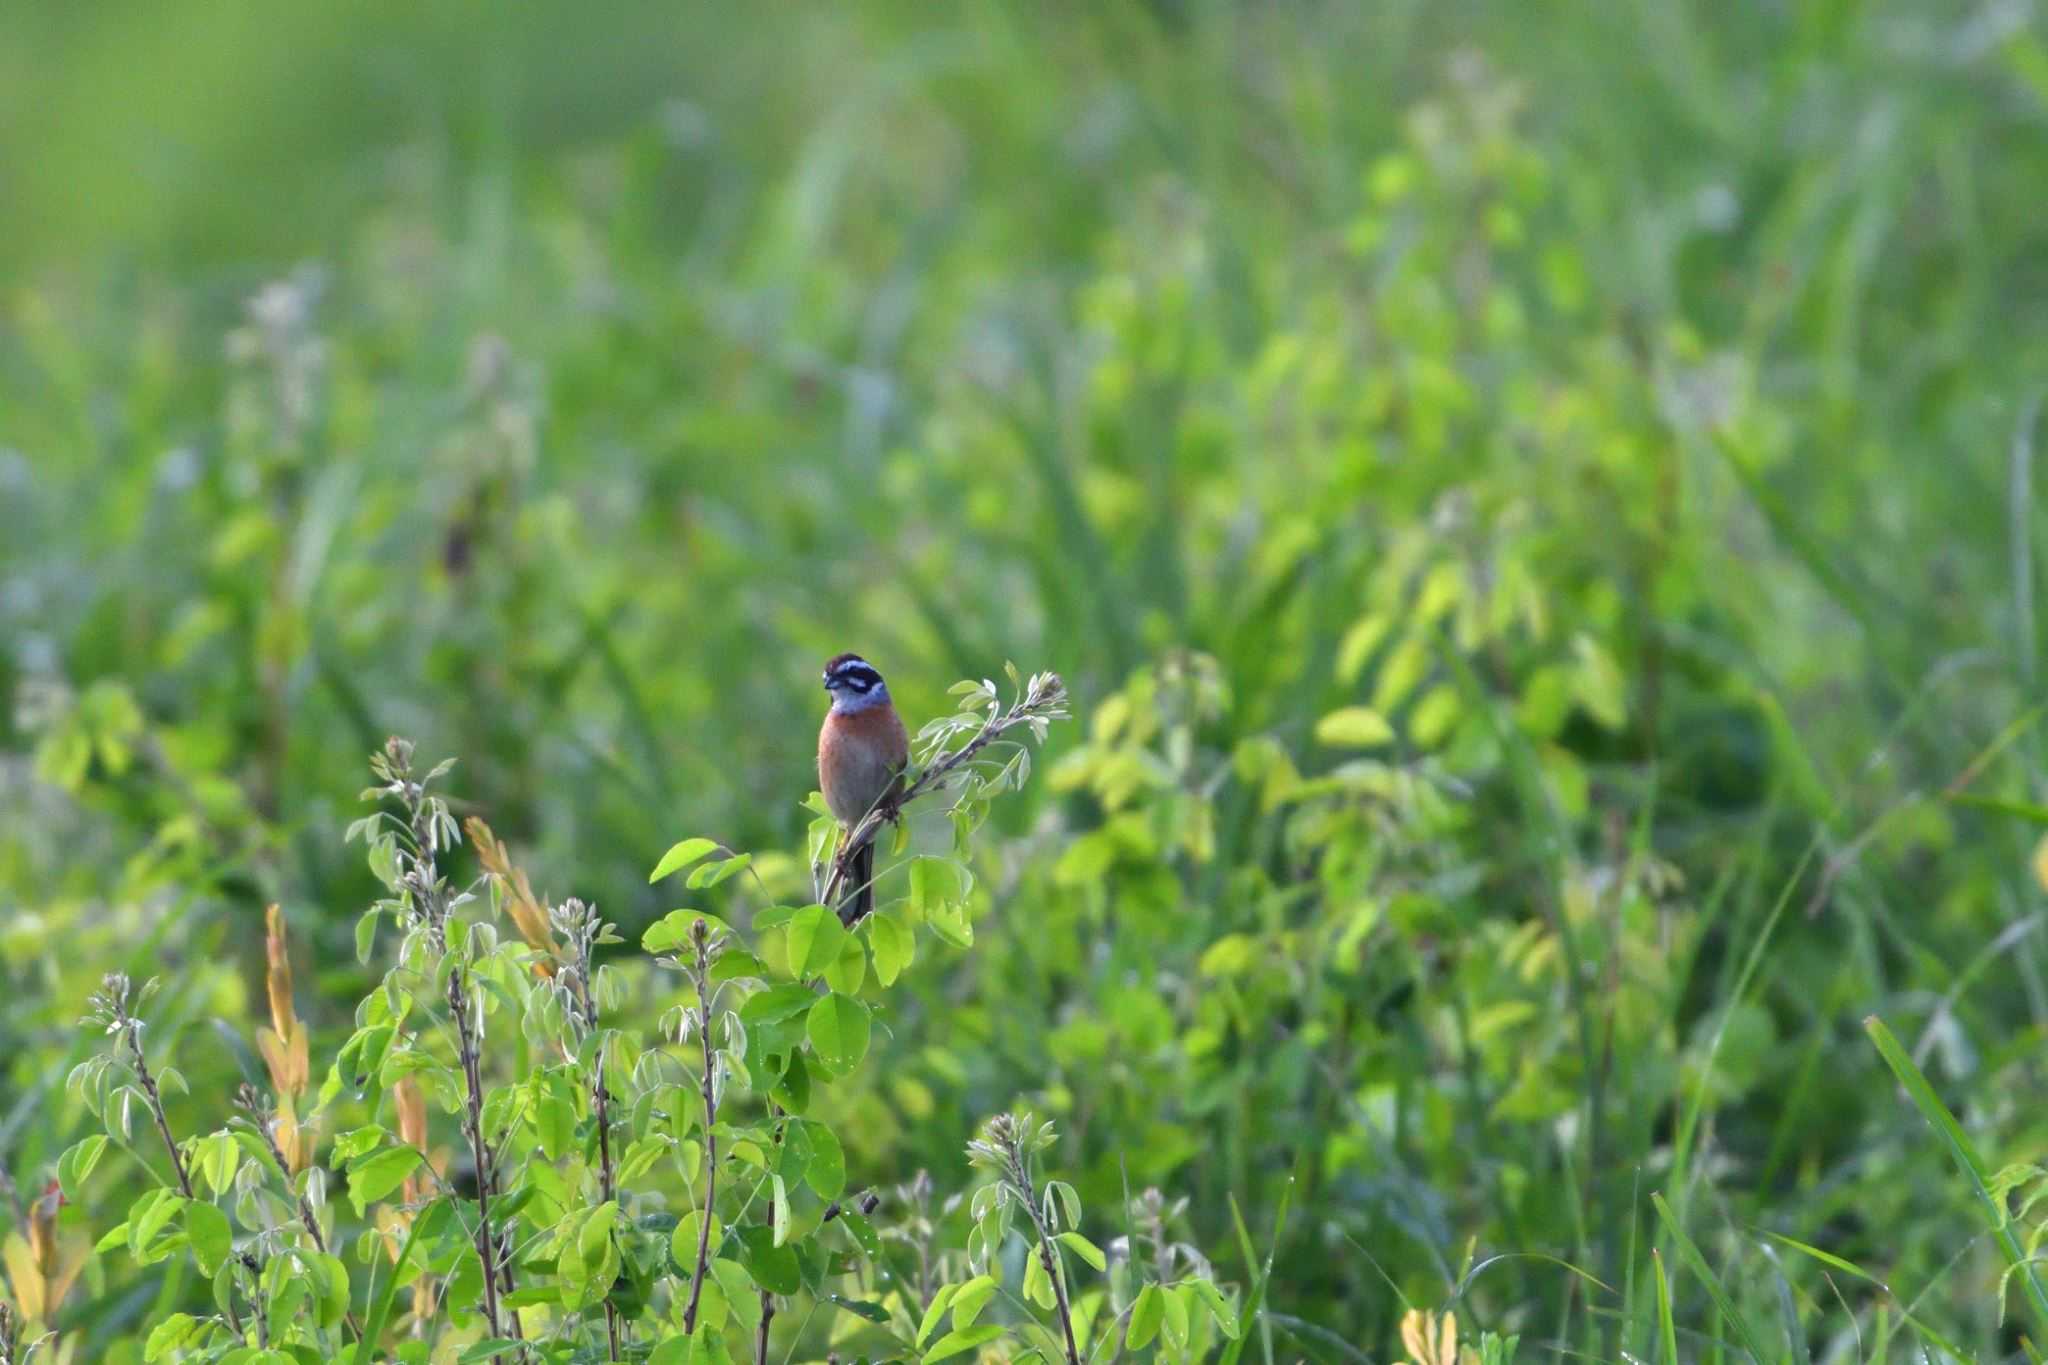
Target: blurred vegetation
(1537, 510)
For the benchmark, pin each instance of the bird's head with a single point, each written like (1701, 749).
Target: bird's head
(854, 684)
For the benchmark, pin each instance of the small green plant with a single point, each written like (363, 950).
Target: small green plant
(615, 1192)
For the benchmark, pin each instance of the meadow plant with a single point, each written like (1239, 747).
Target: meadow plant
(617, 1191)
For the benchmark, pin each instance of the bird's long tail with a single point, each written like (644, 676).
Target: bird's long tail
(861, 899)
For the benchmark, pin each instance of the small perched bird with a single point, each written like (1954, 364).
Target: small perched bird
(862, 751)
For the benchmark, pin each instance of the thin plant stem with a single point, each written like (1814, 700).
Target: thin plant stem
(1021, 1179)
(473, 1132)
(700, 936)
(600, 1105)
(132, 1033)
(262, 1119)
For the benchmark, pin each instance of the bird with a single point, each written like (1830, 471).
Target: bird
(862, 752)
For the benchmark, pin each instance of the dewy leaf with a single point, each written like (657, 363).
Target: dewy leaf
(1146, 1315)
(826, 1172)
(1354, 727)
(892, 943)
(1219, 1307)
(860, 1308)
(846, 972)
(1173, 1323)
(681, 856)
(815, 938)
(838, 1029)
(1037, 1284)
(774, 1268)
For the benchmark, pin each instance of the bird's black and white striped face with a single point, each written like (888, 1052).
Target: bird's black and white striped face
(854, 684)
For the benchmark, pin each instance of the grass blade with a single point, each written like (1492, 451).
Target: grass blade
(1965, 1153)
(1698, 1265)
(1256, 1298)
(380, 1302)
(1667, 1330)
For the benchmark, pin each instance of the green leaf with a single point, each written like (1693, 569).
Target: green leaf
(1173, 1324)
(934, 1311)
(863, 1233)
(1405, 666)
(735, 963)
(1354, 727)
(793, 1091)
(1219, 1307)
(680, 856)
(366, 935)
(594, 1237)
(77, 1163)
(682, 1242)
(1146, 1315)
(849, 970)
(838, 1029)
(1599, 685)
(713, 873)
(149, 1216)
(774, 1267)
(860, 1308)
(331, 1278)
(217, 1156)
(207, 1229)
(815, 937)
(934, 886)
(1037, 1284)
(554, 1122)
(953, 1343)
(971, 1299)
(891, 941)
(373, 1177)
(673, 930)
(777, 1003)
(490, 1348)
(1085, 1249)
(169, 1335)
(779, 1208)
(826, 1172)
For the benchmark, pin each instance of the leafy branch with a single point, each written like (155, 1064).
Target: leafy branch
(427, 902)
(1040, 700)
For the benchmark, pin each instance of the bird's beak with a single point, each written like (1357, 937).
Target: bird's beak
(828, 684)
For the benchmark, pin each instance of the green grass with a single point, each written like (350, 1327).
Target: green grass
(1635, 409)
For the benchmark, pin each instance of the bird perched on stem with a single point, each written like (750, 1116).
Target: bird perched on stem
(862, 751)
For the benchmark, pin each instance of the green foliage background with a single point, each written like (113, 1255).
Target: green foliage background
(1536, 508)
